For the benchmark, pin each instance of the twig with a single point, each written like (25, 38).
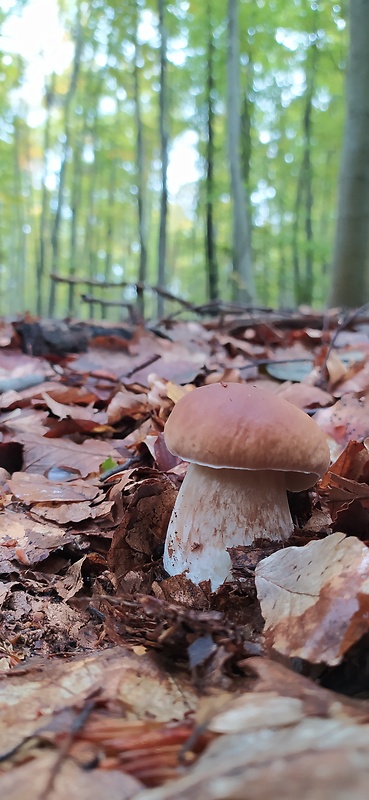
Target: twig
(259, 362)
(348, 318)
(119, 468)
(144, 364)
(76, 727)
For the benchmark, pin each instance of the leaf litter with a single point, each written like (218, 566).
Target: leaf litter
(116, 678)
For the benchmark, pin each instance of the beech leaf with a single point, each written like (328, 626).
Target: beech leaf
(315, 599)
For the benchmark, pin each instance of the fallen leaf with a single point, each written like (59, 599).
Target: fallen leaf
(126, 404)
(41, 454)
(304, 396)
(146, 691)
(36, 539)
(315, 599)
(141, 533)
(316, 759)
(35, 488)
(347, 419)
(67, 780)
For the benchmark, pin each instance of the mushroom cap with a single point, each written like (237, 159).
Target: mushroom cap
(233, 425)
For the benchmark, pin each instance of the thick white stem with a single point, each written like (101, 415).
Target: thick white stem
(220, 508)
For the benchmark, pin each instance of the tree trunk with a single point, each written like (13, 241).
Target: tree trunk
(41, 257)
(210, 244)
(351, 247)
(20, 252)
(55, 232)
(242, 260)
(75, 209)
(141, 199)
(163, 156)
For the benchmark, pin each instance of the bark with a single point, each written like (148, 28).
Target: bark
(20, 249)
(242, 258)
(89, 239)
(351, 247)
(304, 281)
(41, 256)
(75, 208)
(308, 174)
(109, 237)
(141, 198)
(210, 242)
(163, 112)
(55, 232)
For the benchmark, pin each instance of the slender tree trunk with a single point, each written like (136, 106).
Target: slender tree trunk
(295, 241)
(20, 251)
(55, 232)
(109, 232)
(351, 247)
(141, 194)
(163, 113)
(75, 209)
(41, 257)
(210, 243)
(308, 178)
(242, 259)
(304, 281)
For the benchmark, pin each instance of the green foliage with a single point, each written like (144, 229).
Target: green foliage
(292, 64)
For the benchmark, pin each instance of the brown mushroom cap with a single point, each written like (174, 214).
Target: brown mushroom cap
(232, 425)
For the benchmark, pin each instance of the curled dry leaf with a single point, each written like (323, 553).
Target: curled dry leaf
(315, 599)
(140, 536)
(126, 404)
(21, 534)
(345, 490)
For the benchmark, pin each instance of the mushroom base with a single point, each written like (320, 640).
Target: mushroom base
(220, 508)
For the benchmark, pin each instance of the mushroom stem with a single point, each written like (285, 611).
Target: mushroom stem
(220, 508)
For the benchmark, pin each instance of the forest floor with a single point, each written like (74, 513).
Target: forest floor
(119, 681)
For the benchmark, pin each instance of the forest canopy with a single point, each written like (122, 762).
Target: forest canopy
(117, 165)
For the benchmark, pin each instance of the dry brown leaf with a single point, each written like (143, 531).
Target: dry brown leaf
(353, 463)
(140, 534)
(65, 513)
(41, 454)
(30, 542)
(315, 599)
(303, 395)
(30, 698)
(35, 488)
(316, 759)
(336, 369)
(63, 411)
(25, 420)
(65, 779)
(126, 404)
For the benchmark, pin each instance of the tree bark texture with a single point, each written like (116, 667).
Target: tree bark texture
(141, 194)
(351, 247)
(242, 258)
(163, 156)
(55, 232)
(210, 243)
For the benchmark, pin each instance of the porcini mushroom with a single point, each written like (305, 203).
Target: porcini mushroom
(245, 448)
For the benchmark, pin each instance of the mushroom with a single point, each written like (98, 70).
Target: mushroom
(245, 448)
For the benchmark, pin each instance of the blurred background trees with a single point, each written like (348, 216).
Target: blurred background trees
(194, 146)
